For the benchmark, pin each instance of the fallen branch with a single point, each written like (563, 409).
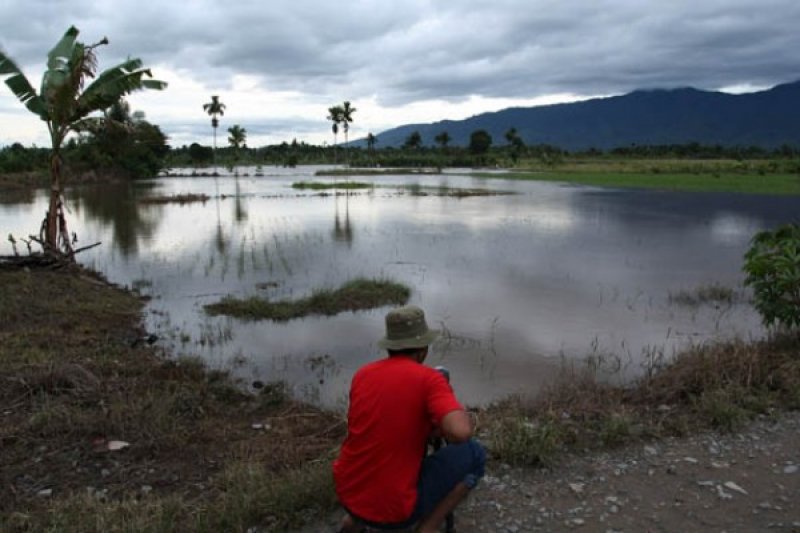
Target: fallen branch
(42, 260)
(83, 249)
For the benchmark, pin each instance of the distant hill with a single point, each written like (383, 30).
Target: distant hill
(766, 119)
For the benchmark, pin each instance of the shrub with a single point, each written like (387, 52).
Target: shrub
(772, 265)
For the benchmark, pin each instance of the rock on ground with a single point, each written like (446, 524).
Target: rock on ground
(738, 482)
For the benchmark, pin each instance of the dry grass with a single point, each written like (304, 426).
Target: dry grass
(718, 386)
(73, 373)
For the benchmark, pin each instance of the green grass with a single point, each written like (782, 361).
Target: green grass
(318, 186)
(355, 295)
(376, 171)
(750, 183)
(450, 192)
(186, 198)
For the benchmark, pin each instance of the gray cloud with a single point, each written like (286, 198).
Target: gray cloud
(402, 52)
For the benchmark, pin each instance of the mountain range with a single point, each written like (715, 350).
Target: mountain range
(767, 119)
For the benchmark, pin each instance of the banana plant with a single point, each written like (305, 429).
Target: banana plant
(66, 104)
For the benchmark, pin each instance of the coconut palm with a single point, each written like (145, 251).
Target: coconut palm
(237, 136)
(443, 139)
(214, 108)
(516, 143)
(65, 104)
(335, 116)
(371, 141)
(346, 117)
(413, 141)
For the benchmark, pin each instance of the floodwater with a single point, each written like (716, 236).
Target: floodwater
(518, 283)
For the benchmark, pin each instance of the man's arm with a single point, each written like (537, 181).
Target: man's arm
(457, 426)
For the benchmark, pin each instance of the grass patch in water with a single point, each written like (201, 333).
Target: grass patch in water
(318, 186)
(376, 171)
(450, 192)
(358, 294)
(712, 293)
(187, 198)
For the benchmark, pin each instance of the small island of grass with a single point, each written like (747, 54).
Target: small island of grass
(187, 198)
(355, 295)
(376, 171)
(319, 186)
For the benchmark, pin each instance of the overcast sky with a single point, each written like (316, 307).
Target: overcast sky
(279, 65)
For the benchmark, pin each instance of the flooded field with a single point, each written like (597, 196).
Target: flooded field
(517, 282)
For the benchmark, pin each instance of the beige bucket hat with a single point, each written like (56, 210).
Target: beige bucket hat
(406, 328)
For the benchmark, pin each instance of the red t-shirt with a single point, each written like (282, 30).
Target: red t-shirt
(394, 405)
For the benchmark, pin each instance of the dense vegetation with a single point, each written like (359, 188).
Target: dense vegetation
(773, 271)
(483, 150)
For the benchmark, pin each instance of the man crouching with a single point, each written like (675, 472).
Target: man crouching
(384, 479)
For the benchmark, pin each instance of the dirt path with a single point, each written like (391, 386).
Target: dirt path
(740, 482)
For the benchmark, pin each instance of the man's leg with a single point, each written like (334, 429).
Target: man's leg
(349, 525)
(446, 478)
(431, 523)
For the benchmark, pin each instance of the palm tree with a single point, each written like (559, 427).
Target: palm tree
(347, 117)
(371, 141)
(65, 104)
(413, 141)
(237, 136)
(335, 116)
(214, 108)
(443, 139)
(516, 142)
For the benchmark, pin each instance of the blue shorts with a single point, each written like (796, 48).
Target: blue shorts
(439, 475)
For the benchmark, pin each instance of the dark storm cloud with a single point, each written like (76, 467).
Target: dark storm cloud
(401, 52)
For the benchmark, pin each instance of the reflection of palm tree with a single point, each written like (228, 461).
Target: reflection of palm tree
(219, 239)
(239, 212)
(343, 231)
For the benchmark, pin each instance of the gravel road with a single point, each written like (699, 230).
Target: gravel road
(747, 481)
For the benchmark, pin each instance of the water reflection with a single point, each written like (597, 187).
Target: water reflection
(117, 207)
(516, 281)
(343, 229)
(17, 197)
(239, 212)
